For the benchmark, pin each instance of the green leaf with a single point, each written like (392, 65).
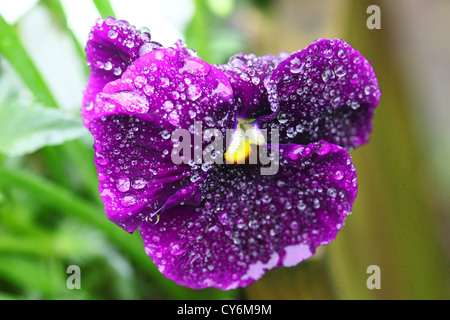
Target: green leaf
(27, 128)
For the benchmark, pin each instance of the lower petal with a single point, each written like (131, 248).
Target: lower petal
(249, 223)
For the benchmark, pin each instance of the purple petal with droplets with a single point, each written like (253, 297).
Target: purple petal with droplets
(248, 223)
(326, 91)
(132, 120)
(248, 74)
(171, 86)
(135, 170)
(112, 46)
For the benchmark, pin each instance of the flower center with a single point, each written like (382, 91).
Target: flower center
(244, 142)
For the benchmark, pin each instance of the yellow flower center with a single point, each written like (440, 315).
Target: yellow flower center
(244, 143)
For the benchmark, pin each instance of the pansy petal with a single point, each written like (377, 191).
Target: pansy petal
(248, 223)
(135, 171)
(112, 46)
(248, 74)
(132, 121)
(167, 84)
(326, 91)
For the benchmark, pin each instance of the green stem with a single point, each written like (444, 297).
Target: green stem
(57, 10)
(196, 32)
(105, 8)
(12, 49)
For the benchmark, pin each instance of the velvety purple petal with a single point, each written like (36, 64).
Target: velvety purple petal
(168, 85)
(248, 74)
(111, 47)
(248, 223)
(136, 174)
(326, 91)
(132, 121)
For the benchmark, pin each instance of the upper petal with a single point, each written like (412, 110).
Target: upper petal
(111, 47)
(249, 223)
(326, 91)
(248, 74)
(167, 84)
(132, 120)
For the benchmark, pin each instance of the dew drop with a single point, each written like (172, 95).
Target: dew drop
(128, 201)
(102, 161)
(301, 205)
(112, 34)
(294, 225)
(117, 71)
(153, 219)
(165, 82)
(176, 249)
(129, 43)
(340, 71)
(123, 184)
(338, 175)
(174, 117)
(327, 74)
(140, 81)
(193, 92)
(354, 105)
(168, 106)
(195, 67)
(107, 66)
(355, 78)
(332, 192)
(328, 53)
(148, 90)
(296, 66)
(139, 183)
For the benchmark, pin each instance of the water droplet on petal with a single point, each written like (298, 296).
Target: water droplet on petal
(117, 71)
(165, 82)
(112, 34)
(296, 66)
(340, 71)
(328, 53)
(140, 81)
(139, 183)
(107, 66)
(129, 43)
(128, 201)
(195, 67)
(168, 106)
(338, 175)
(355, 78)
(194, 92)
(148, 90)
(174, 117)
(132, 101)
(354, 105)
(332, 192)
(327, 74)
(123, 184)
(176, 249)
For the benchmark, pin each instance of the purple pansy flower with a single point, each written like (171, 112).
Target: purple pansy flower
(224, 225)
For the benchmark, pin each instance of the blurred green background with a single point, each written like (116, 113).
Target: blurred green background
(51, 215)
